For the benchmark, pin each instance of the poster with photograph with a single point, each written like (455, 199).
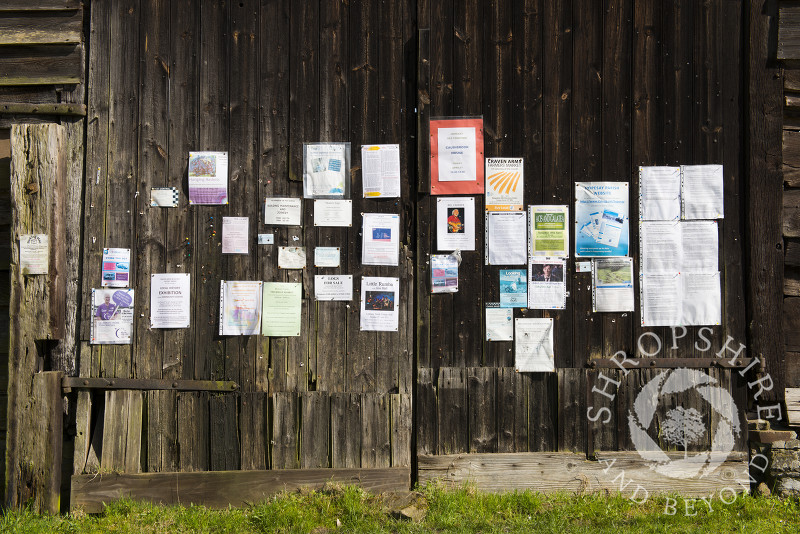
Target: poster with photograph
(499, 323)
(547, 288)
(326, 170)
(170, 305)
(612, 285)
(283, 211)
(116, 267)
(504, 184)
(208, 178)
(513, 288)
(444, 273)
(548, 228)
(380, 303)
(235, 235)
(239, 308)
(455, 223)
(282, 309)
(456, 156)
(506, 238)
(380, 171)
(112, 316)
(601, 219)
(533, 351)
(34, 253)
(380, 239)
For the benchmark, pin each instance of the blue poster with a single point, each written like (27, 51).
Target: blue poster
(601, 219)
(513, 288)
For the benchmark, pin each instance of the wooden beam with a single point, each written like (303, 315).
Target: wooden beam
(789, 32)
(41, 27)
(41, 65)
(550, 472)
(220, 489)
(71, 382)
(24, 108)
(36, 5)
(670, 363)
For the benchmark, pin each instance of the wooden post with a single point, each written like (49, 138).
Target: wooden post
(37, 308)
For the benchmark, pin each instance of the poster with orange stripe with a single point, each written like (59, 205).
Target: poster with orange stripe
(504, 184)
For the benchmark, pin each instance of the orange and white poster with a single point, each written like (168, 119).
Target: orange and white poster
(457, 156)
(504, 184)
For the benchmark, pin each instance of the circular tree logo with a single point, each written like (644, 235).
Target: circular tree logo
(684, 427)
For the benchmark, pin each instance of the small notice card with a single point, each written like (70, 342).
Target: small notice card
(234, 235)
(33, 253)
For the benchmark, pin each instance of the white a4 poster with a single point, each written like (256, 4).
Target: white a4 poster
(169, 300)
(455, 223)
(381, 239)
(534, 345)
(379, 303)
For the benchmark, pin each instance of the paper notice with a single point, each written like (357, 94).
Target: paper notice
(164, 197)
(504, 184)
(333, 287)
(34, 253)
(208, 178)
(660, 246)
(235, 235)
(326, 257)
(380, 239)
(548, 231)
(240, 308)
(170, 305)
(699, 246)
(457, 154)
(112, 316)
(283, 211)
(380, 171)
(701, 299)
(547, 289)
(513, 288)
(601, 219)
(659, 193)
(499, 324)
(661, 299)
(326, 170)
(379, 303)
(291, 257)
(455, 223)
(702, 191)
(116, 267)
(612, 289)
(506, 234)
(534, 345)
(333, 213)
(444, 273)
(282, 310)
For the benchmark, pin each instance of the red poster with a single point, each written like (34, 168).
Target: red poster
(457, 156)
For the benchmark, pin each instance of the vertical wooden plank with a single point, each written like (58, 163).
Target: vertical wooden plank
(224, 452)
(285, 431)
(375, 441)
(423, 300)
(346, 430)
(315, 425)
(506, 408)
(401, 429)
(83, 420)
(482, 409)
(162, 431)
(133, 437)
(193, 437)
(542, 410)
(763, 193)
(601, 425)
(425, 412)
(252, 422)
(452, 411)
(304, 82)
(183, 74)
(571, 410)
(122, 431)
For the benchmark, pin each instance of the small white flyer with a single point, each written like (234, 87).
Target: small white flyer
(333, 287)
(380, 171)
(266, 239)
(116, 267)
(234, 235)
(170, 305)
(283, 211)
(455, 223)
(444, 273)
(164, 197)
(379, 303)
(34, 253)
(327, 257)
(333, 213)
(380, 239)
(291, 257)
(534, 345)
(499, 324)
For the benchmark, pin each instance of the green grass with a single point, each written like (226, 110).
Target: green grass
(348, 509)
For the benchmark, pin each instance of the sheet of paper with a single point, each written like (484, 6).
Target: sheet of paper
(235, 235)
(164, 197)
(702, 302)
(116, 267)
(504, 184)
(660, 245)
(699, 246)
(548, 231)
(380, 239)
(266, 239)
(659, 193)
(547, 289)
(333, 287)
(326, 257)
(280, 211)
(513, 288)
(34, 253)
(661, 299)
(282, 310)
(239, 308)
(457, 164)
(326, 170)
(333, 213)
(612, 285)
(506, 238)
(380, 171)
(444, 273)
(455, 223)
(379, 303)
(534, 345)
(601, 219)
(702, 190)
(170, 303)
(291, 257)
(112, 316)
(208, 178)
(499, 324)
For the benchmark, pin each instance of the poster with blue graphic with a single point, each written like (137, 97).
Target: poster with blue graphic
(513, 288)
(601, 219)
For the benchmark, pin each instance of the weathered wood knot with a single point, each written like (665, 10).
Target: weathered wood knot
(32, 187)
